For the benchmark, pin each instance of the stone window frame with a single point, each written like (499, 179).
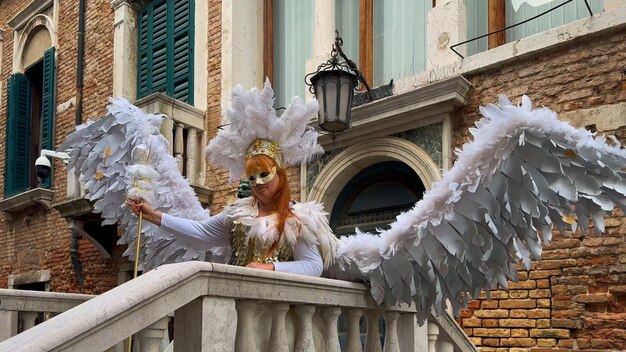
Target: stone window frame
(36, 14)
(341, 169)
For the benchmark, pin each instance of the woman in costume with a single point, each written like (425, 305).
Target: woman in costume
(267, 230)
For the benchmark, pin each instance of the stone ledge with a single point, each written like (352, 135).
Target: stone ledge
(204, 194)
(73, 207)
(180, 112)
(35, 196)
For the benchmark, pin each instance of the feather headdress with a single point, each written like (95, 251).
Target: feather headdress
(256, 129)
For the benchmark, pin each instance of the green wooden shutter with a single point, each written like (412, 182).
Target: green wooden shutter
(144, 60)
(18, 135)
(48, 106)
(181, 83)
(165, 48)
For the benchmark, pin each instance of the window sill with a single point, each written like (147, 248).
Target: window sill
(36, 196)
(180, 112)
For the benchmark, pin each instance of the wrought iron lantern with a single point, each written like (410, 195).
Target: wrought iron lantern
(333, 84)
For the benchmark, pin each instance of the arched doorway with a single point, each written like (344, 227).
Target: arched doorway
(375, 196)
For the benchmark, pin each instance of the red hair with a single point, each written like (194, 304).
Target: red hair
(282, 198)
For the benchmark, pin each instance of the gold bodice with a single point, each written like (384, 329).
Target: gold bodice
(246, 251)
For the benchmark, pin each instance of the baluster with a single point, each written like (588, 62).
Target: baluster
(192, 151)
(304, 338)
(331, 335)
(372, 339)
(445, 346)
(206, 324)
(8, 324)
(150, 338)
(244, 340)
(353, 340)
(28, 319)
(201, 180)
(179, 146)
(391, 333)
(167, 129)
(278, 337)
(433, 335)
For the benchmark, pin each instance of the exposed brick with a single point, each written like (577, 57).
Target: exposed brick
(492, 313)
(540, 293)
(567, 323)
(518, 341)
(523, 285)
(491, 342)
(543, 303)
(550, 333)
(472, 322)
(490, 323)
(492, 332)
(538, 313)
(518, 313)
(543, 323)
(594, 298)
(544, 274)
(517, 323)
(518, 303)
(546, 342)
(519, 332)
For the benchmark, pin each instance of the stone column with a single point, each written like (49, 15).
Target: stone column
(353, 340)
(242, 48)
(278, 336)
(179, 146)
(151, 337)
(192, 155)
(206, 324)
(125, 49)
(372, 339)
(433, 335)
(446, 26)
(304, 338)
(8, 324)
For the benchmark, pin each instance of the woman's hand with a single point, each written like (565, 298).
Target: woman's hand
(264, 266)
(149, 213)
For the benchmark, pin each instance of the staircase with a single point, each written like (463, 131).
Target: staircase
(222, 308)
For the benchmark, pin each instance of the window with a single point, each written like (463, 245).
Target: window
(30, 123)
(166, 50)
(387, 40)
(374, 197)
(292, 38)
(484, 16)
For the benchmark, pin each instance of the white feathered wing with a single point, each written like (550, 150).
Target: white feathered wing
(123, 154)
(525, 172)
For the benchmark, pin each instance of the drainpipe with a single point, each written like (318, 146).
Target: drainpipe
(80, 53)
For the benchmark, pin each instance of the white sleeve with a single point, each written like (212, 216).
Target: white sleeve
(215, 231)
(306, 260)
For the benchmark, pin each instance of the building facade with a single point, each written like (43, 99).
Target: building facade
(182, 58)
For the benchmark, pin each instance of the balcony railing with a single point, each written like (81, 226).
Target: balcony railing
(216, 308)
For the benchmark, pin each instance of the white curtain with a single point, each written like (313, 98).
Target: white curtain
(399, 39)
(528, 8)
(520, 10)
(293, 42)
(347, 23)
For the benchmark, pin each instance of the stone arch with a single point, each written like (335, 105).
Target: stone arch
(334, 176)
(33, 40)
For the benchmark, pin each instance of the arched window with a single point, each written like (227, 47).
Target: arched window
(375, 196)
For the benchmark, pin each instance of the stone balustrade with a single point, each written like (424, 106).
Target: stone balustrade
(223, 308)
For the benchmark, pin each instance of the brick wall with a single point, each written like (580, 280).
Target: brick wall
(35, 239)
(575, 298)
